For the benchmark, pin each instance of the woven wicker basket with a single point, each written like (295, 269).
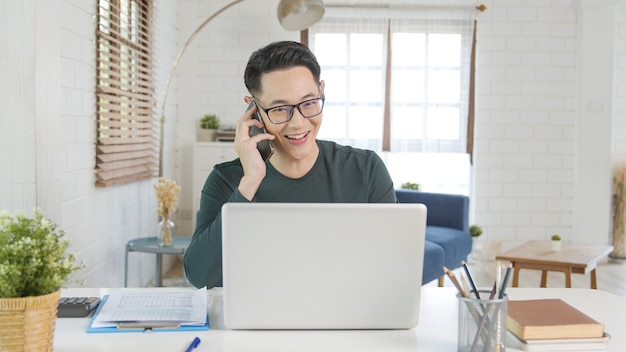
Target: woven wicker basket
(27, 323)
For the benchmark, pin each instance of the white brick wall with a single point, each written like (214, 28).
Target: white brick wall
(529, 166)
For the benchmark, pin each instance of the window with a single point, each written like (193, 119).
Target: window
(400, 86)
(126, 148)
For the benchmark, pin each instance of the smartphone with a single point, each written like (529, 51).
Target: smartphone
(265, 147)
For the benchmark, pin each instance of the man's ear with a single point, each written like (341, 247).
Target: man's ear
(248, 99)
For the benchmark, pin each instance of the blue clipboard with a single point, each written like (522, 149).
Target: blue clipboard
(91, 329)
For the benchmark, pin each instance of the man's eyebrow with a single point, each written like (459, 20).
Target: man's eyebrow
(278, 102)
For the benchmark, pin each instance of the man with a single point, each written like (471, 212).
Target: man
(283, 79)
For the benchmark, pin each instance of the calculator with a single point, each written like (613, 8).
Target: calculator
(76, 307)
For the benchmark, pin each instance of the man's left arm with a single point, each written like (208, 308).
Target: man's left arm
(380, 182)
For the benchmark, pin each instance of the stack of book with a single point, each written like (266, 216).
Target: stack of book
(226, 134)
(552, 325)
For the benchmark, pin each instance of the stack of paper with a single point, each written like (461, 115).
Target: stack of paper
(581, 344)
(138, 310)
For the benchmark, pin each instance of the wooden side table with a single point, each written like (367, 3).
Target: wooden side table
(572, 258)
(150, 245)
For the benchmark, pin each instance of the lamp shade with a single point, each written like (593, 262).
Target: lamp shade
(297, 15)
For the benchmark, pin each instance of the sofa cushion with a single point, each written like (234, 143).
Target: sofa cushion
(456, 244)
(445, 210)
(434, 257)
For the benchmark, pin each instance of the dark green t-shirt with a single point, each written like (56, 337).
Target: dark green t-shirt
(341, 174)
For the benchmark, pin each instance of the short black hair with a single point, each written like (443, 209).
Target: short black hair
(278, 56)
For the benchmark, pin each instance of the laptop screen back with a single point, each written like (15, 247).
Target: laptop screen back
(322, 266)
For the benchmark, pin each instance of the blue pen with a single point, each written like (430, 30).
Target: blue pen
(193, 345)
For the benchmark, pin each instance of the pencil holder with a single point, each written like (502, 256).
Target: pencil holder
(482, 323)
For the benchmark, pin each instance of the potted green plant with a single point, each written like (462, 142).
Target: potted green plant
(411, 185)
(34, 263)
(209, 124)
(475, 231)
(555, 243)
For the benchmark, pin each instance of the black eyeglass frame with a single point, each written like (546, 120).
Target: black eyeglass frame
(292, 108)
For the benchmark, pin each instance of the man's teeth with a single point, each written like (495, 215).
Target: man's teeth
(296, 136)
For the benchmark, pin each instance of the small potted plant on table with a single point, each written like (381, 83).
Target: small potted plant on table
(555, 243)
(209, 124)
(411, 185)
(475, 231)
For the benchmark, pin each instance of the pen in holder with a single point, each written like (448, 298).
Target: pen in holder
(482, 323)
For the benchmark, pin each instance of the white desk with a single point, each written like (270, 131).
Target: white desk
(437, 329)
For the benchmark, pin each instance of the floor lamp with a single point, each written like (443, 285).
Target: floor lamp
(293, 15)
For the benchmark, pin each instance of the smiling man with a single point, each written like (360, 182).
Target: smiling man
(283, 79)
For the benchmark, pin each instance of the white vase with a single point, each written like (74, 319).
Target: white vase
(555, 246)
(207, 135)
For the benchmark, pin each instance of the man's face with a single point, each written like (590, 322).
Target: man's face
(295, 139)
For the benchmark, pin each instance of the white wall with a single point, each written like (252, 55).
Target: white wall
(619, 90)
(47, 144)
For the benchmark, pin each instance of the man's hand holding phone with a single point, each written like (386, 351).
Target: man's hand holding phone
(254, 148)
(264, 146)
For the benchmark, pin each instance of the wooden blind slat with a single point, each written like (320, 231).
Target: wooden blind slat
(143, 9)
(110, 21)
(104, 98)
(107, 158)
(126, 112)
(121, 92)
(126, 148)
(105, 175)
(144, 14)
(109, 53)
(126, 179)
(119, 140)
(113, 69)
(115, 112)
(121, 121)
(128, 134)
(125, 87)
(123, 164)
(114, 9)
(104, 149)
(139, 48)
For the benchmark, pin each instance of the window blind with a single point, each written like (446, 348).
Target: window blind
(127, 133)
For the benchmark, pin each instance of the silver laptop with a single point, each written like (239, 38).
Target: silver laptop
(322, 266)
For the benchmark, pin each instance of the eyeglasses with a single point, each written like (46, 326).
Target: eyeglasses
(284, 113)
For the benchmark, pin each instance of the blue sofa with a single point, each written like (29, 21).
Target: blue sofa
(448, 242)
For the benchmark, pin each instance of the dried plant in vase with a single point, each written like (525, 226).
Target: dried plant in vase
(167, 198)
(619, 212)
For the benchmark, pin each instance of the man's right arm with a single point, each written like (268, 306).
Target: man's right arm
(203, 257)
